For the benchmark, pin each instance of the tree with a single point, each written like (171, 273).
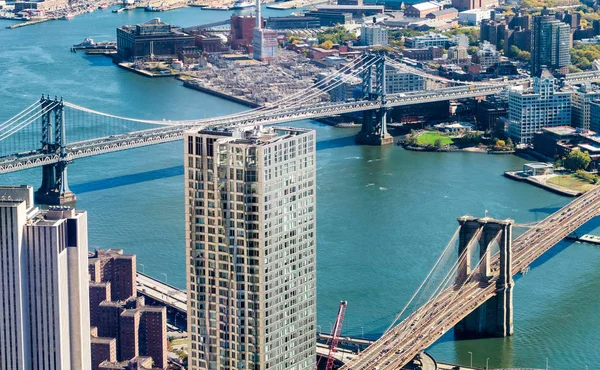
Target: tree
(509, 143)
(437, 143)
(514, 51)
(576, 160)
(328, 44)
(500, 143)
(524, 56)
(472, 50)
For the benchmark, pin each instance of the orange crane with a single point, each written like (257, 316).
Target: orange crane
(335, 335)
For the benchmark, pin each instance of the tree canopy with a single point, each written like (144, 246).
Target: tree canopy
(471, 32)
(582, 56)
(576, 160)
(337, 35)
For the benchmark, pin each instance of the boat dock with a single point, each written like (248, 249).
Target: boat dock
(29, 23)
(293, 4)
(587, 238)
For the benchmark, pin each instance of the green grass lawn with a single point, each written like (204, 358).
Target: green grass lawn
(571, 182)
(429, 138)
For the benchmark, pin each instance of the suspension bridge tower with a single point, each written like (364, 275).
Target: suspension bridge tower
(374, 127)
(55, 188)
(495, 317)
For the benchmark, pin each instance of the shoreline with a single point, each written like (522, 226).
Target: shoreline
(220, 94)
(564, 192)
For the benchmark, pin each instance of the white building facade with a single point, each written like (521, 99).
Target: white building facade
(581, 100)
(251, 249)
(45, 298)
(529, 112)
(374, 34)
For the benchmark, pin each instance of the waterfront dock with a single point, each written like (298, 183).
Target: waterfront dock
(237, 99)
(536, 181)
(586, 238)
(29, 23)
(293, 4)
(143, 72)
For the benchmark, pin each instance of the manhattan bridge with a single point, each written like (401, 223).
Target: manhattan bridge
(471, 292)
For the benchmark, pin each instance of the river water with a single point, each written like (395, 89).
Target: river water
(384, 214)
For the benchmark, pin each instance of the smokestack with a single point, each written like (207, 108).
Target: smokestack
(258, 18)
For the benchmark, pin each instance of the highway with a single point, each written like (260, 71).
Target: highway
(161, 292)
(421, 329)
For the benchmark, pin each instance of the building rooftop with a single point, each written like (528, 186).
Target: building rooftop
(426, 5)
(561, 130)
(258, 135)
(103, 340)
(445, 11)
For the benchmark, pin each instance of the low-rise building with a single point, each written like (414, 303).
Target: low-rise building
(421, 54)
(241, 31)
(486, 56)
(444, 14)
(373, 34)
(531, 111)
(581, 101)
(421, 10)
(155, 38)
(330, 18)
(474, 17)
(425, 41)
(288, 23)
(458, 55)
(357, 11)
(345, 87)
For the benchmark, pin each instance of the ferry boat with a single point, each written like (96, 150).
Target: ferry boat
(68, 16)
(243, 4)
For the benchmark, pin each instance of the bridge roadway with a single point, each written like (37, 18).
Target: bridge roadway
(174, 132)
(422, 328)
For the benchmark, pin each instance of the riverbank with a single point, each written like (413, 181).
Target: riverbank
(294, 4)
(143, 72)
(191, 85)
(541, 182)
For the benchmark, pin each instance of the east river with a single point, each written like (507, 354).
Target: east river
(384, 214)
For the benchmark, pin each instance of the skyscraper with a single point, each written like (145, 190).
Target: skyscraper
(250, 248)
(44, 304)
(550, 44)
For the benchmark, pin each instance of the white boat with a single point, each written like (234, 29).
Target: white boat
(242, 4)
(68, 16)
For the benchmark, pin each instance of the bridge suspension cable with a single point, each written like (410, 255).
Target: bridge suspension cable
(435, 265)
(19, 115)
(20, 125)
(304, 97)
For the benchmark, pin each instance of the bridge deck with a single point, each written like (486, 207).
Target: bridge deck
(399, 345)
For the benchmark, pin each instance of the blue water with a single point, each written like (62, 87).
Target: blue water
(384, 214)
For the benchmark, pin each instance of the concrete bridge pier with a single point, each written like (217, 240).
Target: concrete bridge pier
(55, 188)
(495, 317)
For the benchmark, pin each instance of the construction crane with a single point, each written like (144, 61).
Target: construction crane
(335, 335)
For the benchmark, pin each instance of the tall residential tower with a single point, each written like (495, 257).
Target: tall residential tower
(250, 242)
(44, 303)
(550, 45)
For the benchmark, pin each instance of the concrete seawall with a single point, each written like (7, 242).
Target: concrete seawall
(220, 94)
